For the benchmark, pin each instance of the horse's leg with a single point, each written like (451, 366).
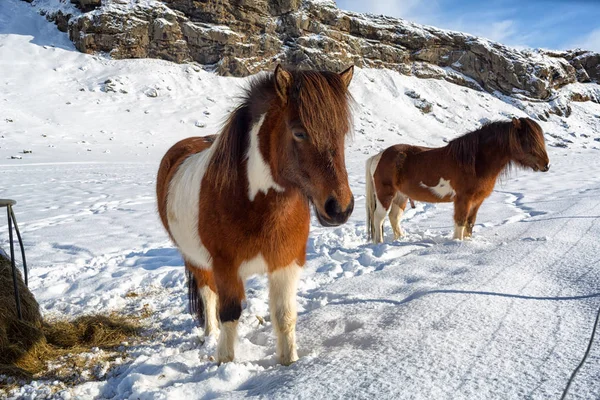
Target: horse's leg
(282, 303)
(378, 219)
(398, 207)
(462, 206)
(207, 302)
(231, 293)
(472, 217)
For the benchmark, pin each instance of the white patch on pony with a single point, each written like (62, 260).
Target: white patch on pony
(459, 232)
(260, 178)
(254, 266)
(183, 201)
(210, 300)
(442, 189)
(379, 213)
(375, 162)
(226, 344)
(283, 283)
(378, 220)
(379, 207)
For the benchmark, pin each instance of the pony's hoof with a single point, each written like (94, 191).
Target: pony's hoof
(224, 359)
(287, 361)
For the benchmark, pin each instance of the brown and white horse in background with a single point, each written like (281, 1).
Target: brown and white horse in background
(237, 204)
(463, 172)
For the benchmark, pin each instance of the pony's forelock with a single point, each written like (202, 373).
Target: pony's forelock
(323, 103)
(321, 99)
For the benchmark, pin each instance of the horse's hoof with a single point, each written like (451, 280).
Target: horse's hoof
(287, 361)
(224, 359)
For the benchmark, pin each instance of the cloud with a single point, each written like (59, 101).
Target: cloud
(492, 23)
(591, 41)
(413, 10)
(555, 24)
(500, 31)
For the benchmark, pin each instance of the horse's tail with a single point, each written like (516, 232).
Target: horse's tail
(370, 193)
(196, 305)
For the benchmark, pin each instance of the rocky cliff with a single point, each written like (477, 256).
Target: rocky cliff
(242, 37)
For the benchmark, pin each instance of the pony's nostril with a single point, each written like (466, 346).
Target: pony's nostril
(547, 167)
(332, 207)
(350, 207)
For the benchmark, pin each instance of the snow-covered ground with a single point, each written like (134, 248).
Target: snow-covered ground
(506, 315)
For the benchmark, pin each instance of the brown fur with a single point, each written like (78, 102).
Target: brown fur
(471, 163)
(235, 229)
(316, 101)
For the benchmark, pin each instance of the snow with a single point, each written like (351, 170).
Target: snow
(505, 315)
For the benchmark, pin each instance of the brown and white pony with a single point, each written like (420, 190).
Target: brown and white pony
(463, 172)
(237, 204)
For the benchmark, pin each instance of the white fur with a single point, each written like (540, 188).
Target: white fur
(227, 339)
(459, 232)
(182, 208)
(256, 265)
(378, 220)
(210, 300)
(395, 216)
(260, 178)
(283, 284)
(442, 189)
(375, 212)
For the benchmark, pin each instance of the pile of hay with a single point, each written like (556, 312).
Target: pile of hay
(29, 346)
(17, 338)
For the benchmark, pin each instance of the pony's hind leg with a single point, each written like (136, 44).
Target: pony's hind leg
(283, 283)
(396, 212)
(204, 300)
(231, 294)
(378, 220)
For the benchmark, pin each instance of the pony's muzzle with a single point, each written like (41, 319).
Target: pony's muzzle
(546, 168)
(335, 214)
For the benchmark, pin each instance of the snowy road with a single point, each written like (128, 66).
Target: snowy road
(506, 315)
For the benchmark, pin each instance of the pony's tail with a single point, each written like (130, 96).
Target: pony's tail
(370, 200)
(196, 305)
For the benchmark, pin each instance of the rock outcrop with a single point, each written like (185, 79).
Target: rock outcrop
(242, 37)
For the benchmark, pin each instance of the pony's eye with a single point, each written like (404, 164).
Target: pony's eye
(300, 136)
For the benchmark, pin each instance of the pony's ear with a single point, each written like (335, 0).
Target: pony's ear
(347, 75)
(283, 82)
(516, 122)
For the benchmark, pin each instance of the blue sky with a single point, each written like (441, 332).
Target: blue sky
(550, 24)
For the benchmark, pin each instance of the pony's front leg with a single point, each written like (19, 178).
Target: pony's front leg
(462, 207)
(231, 293)
(471, 218)
(206, 297)
(396, 212)
(210, 300)
(283, 283)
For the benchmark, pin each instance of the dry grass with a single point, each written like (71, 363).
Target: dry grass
(60, 349)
